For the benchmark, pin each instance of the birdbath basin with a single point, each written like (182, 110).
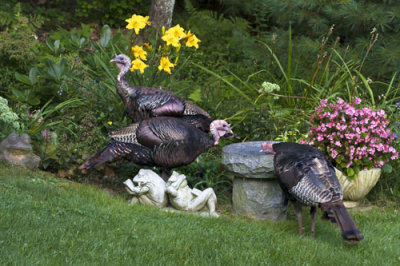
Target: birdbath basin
(256, 191)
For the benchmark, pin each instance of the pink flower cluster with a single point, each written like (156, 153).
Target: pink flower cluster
(352, 136)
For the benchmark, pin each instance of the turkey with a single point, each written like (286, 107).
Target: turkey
(165, 142)
(308, 178)
(143, 102)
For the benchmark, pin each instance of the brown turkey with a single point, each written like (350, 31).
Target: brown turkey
(308, 178)
(143, 102)
(165, 142)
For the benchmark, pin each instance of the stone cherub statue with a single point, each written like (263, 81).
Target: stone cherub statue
(182, 197)
(17, 150)
(150, 189)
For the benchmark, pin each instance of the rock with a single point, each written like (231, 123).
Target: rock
(18, 151)
(256, 191)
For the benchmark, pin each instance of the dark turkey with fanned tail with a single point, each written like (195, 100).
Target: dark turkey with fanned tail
(165, 142)
(308, 178)
(143, 102)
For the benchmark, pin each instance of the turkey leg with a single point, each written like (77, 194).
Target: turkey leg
(298, 209)
(313, 212)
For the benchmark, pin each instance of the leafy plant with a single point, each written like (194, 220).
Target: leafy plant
(9, 121)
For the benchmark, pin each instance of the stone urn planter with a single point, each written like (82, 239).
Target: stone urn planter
(356, 190)
(256, 191)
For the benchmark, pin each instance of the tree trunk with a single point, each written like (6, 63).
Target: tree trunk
(161, 13)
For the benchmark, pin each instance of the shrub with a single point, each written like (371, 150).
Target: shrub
(18, 45)
(9, 121)
(108, 11)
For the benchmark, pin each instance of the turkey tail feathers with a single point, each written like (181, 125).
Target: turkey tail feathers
(113, 151)
(338, 214)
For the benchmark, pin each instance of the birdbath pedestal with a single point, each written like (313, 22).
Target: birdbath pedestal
(256, 191)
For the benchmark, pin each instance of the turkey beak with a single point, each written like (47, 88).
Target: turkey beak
(114, 59)
(230, 135)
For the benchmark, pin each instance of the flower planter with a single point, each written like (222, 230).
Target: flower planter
(355, 190)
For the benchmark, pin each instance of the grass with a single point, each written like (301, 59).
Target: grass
(49, 221)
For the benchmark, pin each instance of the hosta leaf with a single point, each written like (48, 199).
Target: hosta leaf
(33, 75)
(387, 168)
(105, 36)
(22, 78)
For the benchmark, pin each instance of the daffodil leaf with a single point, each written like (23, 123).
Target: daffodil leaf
(195, 96)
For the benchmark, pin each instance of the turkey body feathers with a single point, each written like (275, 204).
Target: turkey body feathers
(135, 153)
(308, 178)
(143, 102)
(306, 174)
(166, 142)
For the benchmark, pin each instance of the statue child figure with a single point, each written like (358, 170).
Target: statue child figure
(182, 197)
(150, 189)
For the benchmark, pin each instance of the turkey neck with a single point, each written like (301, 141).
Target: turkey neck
(123, 88)
(202, 144)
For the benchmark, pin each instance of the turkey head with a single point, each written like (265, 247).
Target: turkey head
(123, 62)
(220, 128)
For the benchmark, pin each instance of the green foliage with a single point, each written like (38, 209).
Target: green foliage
(18, 34)
(18, 44)
(70, 95)
(253, 49)
(109, 11)
(353, 21)
(229, 38)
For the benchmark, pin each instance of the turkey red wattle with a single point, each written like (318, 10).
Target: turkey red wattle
(267, 148)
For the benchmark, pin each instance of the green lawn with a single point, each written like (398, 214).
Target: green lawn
(50, 221)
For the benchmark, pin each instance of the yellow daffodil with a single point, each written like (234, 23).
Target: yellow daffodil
(192, 41)
(171, 40)
(165, 65)
(109, 122)
(138, 64)
(148, 46)
(176, 31)
(137, 22)
(138, 51)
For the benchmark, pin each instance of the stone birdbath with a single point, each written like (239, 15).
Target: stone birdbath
(256, 191)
